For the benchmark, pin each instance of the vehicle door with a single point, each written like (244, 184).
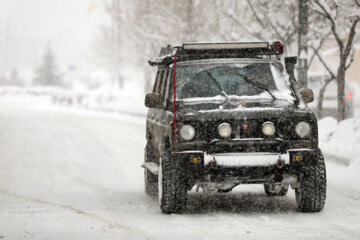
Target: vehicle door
(154, 114)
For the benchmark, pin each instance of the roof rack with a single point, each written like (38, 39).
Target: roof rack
(198, 51)
(225, 45)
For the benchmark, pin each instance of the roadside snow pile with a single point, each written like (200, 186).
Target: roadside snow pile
(101, 99)
(327, 127)
(340, 142)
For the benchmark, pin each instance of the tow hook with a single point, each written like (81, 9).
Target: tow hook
(280, 162)
(213, 163)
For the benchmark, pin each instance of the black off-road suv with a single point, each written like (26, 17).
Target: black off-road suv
(224, 114)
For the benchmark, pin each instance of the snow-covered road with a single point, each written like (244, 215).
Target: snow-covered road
(78, 176)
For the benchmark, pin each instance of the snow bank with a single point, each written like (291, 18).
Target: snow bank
(102, 99)
(340, 142)
(327, 127)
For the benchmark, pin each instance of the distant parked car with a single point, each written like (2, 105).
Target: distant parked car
(315, 82)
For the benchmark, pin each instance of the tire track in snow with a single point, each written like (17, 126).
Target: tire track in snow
(352, 194)
(109, 222)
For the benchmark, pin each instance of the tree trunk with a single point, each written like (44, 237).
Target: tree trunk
(341, 89)
(319, 106)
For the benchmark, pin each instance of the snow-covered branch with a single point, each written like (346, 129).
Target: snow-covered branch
(230, 13)
(317, 49)
(328, 14)
(352, 32)
(259, 20)
(350, 59)
(324, 63)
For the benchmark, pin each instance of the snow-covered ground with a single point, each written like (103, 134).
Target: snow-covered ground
(70, 174)
(105, 99)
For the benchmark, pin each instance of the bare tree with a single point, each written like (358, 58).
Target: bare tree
(343, 19)
(112, 40)
(154, 24)
(326, 82)
(144, 26)
(260, 22)
(264, 20)
(15, 78)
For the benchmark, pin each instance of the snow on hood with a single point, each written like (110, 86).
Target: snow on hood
(219, 103)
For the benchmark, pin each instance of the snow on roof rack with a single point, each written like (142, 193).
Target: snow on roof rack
(224, 45)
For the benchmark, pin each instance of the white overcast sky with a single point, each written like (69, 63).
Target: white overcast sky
(26, 26)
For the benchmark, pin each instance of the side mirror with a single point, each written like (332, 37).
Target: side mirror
(153, 100)
(307, 95)
(290, 64)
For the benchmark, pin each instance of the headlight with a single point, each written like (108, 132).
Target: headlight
(224, 130)
(268, 128)
(187, 132)
(302, 129)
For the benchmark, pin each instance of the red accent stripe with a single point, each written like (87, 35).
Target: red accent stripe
(174, 68)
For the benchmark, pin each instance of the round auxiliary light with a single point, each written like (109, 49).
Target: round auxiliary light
(224, 130)
(268, 128)
(302, 129)
(187, 132)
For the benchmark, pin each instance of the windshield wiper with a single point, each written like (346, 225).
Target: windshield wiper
(217, 84)
(258, 85)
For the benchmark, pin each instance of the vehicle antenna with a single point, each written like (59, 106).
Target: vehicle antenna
(174, 68)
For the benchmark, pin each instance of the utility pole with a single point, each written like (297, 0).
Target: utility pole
(190, 30)
(7, 47)
(302, 43)
(117, 13)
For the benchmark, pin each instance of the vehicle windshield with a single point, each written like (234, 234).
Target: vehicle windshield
(235, 79)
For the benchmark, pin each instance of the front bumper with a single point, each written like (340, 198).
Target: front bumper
(275, 145)
(253, 167)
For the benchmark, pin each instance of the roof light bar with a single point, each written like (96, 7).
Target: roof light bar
(230, 45)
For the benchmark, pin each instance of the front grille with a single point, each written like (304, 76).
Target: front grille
(208, 130)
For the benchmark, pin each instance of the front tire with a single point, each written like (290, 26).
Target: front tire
(172, 185)
(311, 193)
(151, 180)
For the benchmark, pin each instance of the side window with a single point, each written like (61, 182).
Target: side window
(161, 81)
(165, 81)
(168, 82)
(156, 82)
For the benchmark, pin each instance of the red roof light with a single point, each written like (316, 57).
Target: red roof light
(279, 47)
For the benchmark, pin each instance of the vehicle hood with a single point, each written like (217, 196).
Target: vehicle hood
(259, 108)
